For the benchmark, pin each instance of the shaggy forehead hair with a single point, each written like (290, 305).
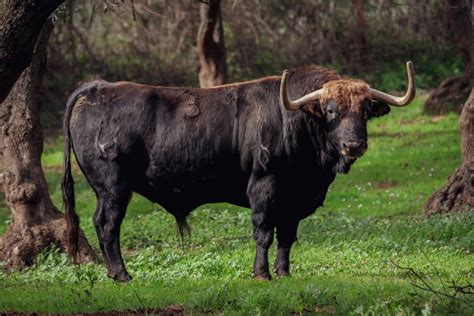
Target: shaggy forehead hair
(347, 93)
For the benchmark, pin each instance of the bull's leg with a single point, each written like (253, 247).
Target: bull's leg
(261, 194)
(97, 220)
(263, 234)
(108, 218)
(286, 236)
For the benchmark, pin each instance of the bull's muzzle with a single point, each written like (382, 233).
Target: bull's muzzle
(354, 149)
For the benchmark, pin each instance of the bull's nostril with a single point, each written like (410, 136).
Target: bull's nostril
(355, 145)
(353, 148)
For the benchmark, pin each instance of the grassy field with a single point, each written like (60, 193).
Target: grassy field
(344, 262)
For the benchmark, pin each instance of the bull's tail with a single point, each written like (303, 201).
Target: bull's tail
(183, 227)
(67, 185)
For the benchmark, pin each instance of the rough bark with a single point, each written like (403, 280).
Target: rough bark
(210, 43)
(36, 222)
(451, 93)
(20, 24)
(458, 194)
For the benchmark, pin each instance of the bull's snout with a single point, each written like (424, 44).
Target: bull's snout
(354, 149)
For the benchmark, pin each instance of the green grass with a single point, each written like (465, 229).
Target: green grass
(342, 263)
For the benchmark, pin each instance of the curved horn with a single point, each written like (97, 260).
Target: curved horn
(295, 105)
(398, 101)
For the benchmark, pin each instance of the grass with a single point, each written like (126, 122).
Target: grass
(342, 263)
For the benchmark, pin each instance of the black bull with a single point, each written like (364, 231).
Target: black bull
(183, 147)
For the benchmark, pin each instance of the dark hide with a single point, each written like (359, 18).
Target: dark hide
(182, 148)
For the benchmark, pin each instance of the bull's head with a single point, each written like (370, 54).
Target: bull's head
(346, 105)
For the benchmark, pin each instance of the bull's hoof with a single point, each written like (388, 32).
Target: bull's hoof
(282, 273)
(263, 277)
(121, 276)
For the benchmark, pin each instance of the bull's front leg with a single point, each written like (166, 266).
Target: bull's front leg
(261, 195)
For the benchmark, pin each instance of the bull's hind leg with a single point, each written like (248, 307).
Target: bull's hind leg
(286, 236)
(111, 206)
(261, 197)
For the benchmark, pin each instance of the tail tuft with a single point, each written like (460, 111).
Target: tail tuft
(72, 220)
(183, 228)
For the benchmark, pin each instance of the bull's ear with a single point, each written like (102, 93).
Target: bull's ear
(313, 108)
(378, 109)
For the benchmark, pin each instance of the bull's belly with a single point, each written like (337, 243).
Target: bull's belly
(182, 194)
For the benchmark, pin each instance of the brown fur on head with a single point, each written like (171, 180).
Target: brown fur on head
(345, 105)
(349, 94)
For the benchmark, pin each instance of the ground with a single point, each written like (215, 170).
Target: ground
(344, 262)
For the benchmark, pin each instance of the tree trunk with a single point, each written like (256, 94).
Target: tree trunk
(36, 222)
(20, 25)
(210, 43)
(451, 93)
(458, 194)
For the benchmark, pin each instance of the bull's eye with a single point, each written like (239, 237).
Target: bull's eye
(331, 111)
(331, 116)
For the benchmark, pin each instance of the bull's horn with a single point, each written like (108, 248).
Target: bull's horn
(398, 101)
(295, 105)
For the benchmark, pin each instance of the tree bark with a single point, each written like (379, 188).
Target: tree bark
(451, 93)
(20, 25)
(210, 43)
(458, 194)
(36, 222)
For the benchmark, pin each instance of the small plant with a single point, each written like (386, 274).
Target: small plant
(84, 281)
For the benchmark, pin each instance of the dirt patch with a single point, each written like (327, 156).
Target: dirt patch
(389, 134)
(437, 118)
(327, 309)
(409, 122)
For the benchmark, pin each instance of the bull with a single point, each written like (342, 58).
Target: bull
(249, 143)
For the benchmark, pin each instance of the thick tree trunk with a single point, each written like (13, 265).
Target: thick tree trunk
(20, 24)
(36, 222)
(458, 194)
(451, 93)
(210, 43)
